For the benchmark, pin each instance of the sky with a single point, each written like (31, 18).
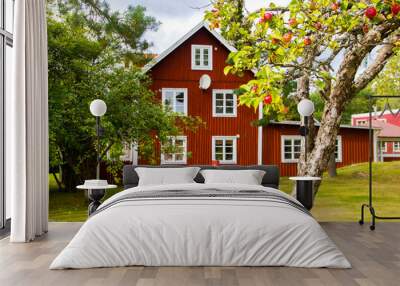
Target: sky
(177, 17)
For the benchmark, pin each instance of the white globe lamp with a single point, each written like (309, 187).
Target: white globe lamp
(98, 107)
(305, 107)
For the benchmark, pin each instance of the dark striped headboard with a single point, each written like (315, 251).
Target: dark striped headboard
(270, 179)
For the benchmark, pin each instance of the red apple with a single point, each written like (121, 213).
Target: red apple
(395, 9)
(371, 13)
(335, 6)
(292, 22)
(268, 16)
(318, 26)
(267, 99)
(307, 41)
(275, 41)
(287, 37)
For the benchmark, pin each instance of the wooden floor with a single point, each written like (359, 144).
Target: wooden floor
(375, 257)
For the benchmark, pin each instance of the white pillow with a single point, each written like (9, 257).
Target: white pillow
(248, 177)
(166, 176)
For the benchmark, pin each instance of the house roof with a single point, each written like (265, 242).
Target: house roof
(165, 53)
(374, 113)
(386, 129)
(289, 122)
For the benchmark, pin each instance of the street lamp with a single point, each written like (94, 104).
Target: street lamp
(98, 108)
(306, 109)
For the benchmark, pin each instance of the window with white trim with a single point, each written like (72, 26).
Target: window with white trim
(179, 144)
(361, 122)
(224, 103)
(201, 57)
(224, 149)
(383, 146)
(396, 146)
(291, 148)
(175, 99)
(338, 149)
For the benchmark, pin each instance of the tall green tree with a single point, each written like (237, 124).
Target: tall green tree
(85, 64)
(303, 42)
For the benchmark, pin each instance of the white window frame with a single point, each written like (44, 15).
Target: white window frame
(175, 91)
(224, 138)
(396, 148)
(214, 103)
(210, 57)
(361, 122)
(338, 159)
(292, 138)
(383, 146)
(174, 161)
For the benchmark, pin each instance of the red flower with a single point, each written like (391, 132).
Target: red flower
(371, 13)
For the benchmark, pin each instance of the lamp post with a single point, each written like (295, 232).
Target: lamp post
(306, 109)
(98, 108)
(305, 184)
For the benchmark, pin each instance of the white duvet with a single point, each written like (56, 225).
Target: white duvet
(200, 231)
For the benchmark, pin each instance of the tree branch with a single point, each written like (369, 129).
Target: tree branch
(375, 68)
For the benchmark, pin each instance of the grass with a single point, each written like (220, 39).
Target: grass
(338, 199)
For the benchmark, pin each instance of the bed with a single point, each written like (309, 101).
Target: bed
(201, 224)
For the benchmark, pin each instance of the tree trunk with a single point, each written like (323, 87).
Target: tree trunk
(57, 181)
(73, 176)
(324, 143)
(332, 166)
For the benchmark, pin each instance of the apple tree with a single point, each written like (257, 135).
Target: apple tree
(319, 44)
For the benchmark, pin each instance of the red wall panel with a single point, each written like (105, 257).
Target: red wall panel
(354, 146)
(175, 71)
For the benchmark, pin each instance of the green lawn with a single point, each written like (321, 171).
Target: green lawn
(339, 199)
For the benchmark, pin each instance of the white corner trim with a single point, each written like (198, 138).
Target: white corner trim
(260, 136)
(339, 159)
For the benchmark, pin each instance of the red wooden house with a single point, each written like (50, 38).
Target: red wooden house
(228, 136)
(387, 135)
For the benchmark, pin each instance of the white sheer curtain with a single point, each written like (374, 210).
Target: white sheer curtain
(27, 148)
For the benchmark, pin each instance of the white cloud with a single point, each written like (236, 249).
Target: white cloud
(177, 17)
